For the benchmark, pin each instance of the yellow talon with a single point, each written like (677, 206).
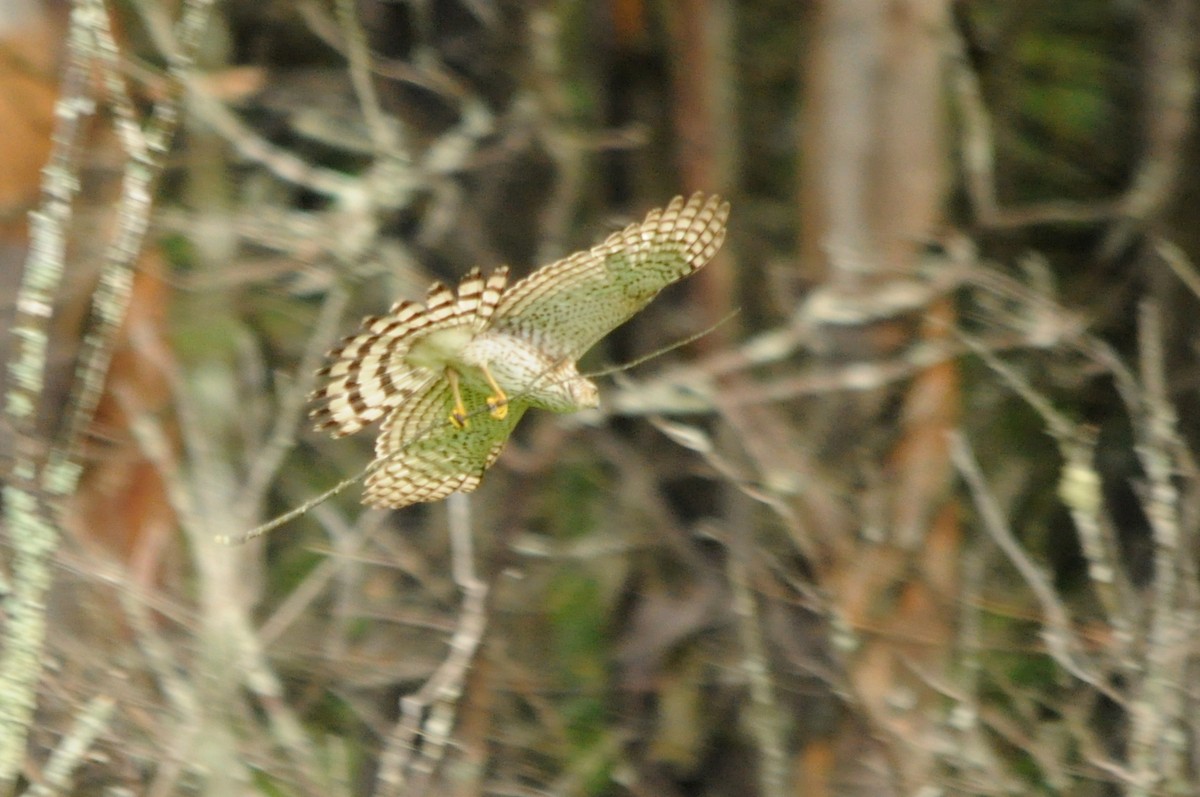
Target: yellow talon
(498, 407)
(458, 416)
(498, 403)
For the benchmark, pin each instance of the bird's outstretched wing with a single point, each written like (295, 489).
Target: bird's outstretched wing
(421, 456)
(370, 373)
(566, 307)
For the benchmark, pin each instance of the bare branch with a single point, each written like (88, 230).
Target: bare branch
(428, 714)
(1059, 637)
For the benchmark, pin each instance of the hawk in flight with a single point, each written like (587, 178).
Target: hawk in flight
(451, 377)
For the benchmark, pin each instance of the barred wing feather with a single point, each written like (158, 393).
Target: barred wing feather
(566, 307)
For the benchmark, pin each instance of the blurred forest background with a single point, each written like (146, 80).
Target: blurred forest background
(920, 519)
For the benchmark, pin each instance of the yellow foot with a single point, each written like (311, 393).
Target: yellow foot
(498, 406)
(498, 403)
(458, 416)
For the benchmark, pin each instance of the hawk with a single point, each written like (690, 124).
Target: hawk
(452, 376)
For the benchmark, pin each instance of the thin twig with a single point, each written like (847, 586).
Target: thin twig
(290, 408)
(766, 720)
(1079, 489)
(89, 723)
(1060, 639)
(383, 131)
(1156, 733)
(428, 713)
